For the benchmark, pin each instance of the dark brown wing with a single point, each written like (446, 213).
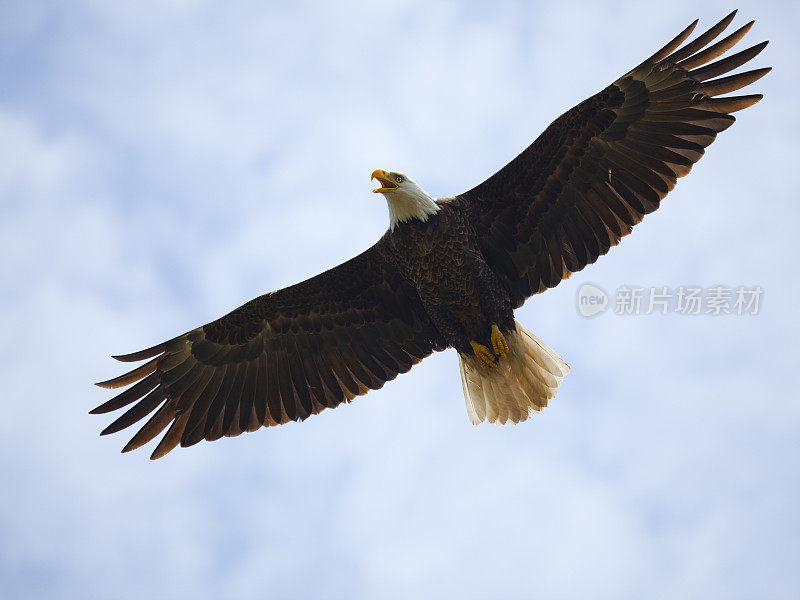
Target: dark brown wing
(281, 357)
(599, 168)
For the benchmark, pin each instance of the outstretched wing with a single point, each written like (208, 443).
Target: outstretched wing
(599, 168)
(281, 357)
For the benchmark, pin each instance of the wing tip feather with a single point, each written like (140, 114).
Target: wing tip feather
(672, 45)
(162, 450)
(109, 430)
(137, 441)
(140, 355)
(729, 104)
(133, 376)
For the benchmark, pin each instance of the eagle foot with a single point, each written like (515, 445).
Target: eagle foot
(499, 343)
(485, 355)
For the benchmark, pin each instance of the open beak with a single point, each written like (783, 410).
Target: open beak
(386, 183)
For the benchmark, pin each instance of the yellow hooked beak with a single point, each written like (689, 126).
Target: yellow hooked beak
(386, 183)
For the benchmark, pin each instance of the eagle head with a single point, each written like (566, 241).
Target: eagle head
(405, 198)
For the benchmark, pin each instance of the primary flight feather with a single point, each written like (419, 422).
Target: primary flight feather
(450, 272)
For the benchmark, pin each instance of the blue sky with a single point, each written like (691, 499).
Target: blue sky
(163, 162)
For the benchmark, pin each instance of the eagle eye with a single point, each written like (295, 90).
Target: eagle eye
(399, 179)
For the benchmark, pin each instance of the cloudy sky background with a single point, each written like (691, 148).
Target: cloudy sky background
(163, 162)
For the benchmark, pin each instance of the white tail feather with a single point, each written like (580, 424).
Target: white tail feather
(521, 384)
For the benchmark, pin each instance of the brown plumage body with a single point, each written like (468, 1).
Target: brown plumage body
(443, 261)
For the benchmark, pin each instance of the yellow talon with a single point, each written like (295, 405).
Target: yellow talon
(484, 355)
(499, 343)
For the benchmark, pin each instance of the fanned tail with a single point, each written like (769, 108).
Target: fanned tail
(522, 384)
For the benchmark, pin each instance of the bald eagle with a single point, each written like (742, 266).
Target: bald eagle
(449, 273)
